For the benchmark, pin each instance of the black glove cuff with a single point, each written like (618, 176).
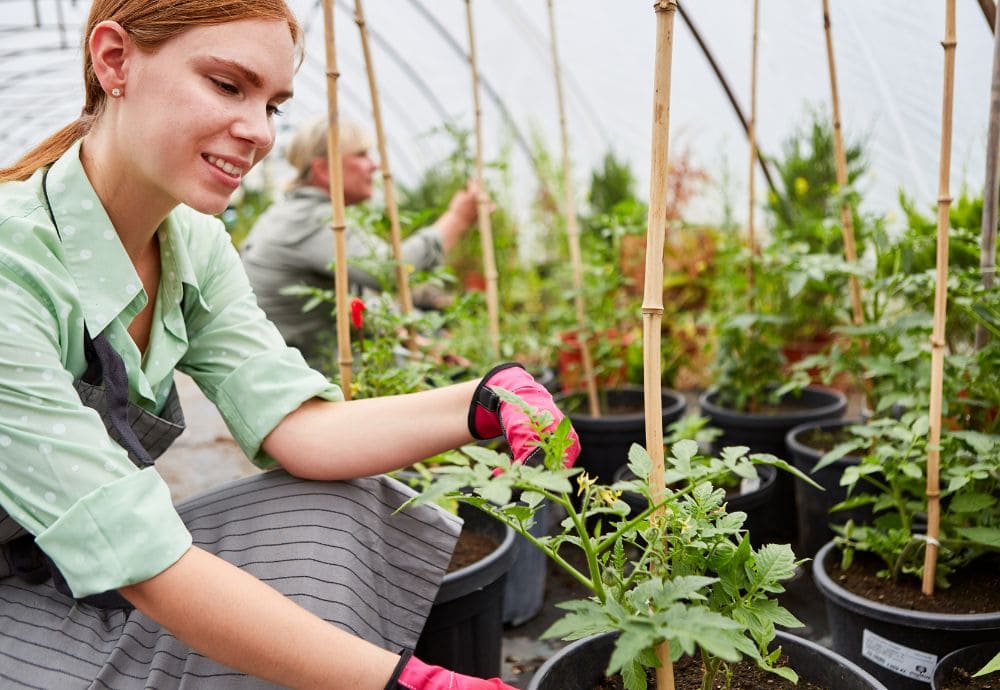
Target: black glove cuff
(404, 657)
(486, 398)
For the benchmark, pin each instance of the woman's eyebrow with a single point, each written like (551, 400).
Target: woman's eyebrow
(247, 73)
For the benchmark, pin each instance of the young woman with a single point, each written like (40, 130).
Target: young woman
(112, 274)
(291, 243)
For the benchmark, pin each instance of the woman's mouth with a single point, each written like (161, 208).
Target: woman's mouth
(224, 166)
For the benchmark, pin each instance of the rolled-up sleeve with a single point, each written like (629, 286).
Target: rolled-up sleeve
(104, 522)
(117, 535)
(236, 355)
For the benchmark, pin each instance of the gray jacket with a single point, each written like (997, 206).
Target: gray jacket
(292, 244)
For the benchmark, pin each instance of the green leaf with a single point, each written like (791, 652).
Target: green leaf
(532, 499)
(639, 461)
(485, 455)
(497, 493)
(784, 672)
(982, 443)
(629, 646)
(553, 482)
(987, 536)
(730, 454)
(681, 454)
(634, 676)
(773, 563)
(837, 452)
(767, 459)
(993, 665)
(971, 503)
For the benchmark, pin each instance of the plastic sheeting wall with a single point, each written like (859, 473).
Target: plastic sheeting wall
(889, 58)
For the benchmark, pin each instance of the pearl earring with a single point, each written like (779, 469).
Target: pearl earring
(116, 92)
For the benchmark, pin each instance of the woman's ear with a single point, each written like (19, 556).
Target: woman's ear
(319, 172)
(109, 50)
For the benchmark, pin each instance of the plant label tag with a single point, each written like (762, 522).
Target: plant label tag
(905, 661)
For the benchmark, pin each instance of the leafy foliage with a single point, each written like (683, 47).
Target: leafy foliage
(892, 471)
(681, 571)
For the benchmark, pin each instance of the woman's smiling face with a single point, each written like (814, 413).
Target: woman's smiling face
(198, 113)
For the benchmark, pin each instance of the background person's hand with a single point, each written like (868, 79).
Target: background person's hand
(463, 210)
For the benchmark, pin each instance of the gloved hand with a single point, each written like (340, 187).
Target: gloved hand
(489, 417)
(413, 674)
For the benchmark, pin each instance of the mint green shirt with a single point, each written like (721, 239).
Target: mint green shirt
(103, 521)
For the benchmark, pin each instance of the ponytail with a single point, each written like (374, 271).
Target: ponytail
(47, 152)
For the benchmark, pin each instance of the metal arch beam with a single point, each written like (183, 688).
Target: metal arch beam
(387, 47)
(487, 87)
(989, 8)
(729, 92)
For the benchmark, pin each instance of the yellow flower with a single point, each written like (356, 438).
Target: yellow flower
(801, 186)
(585, 482)
(608, 496)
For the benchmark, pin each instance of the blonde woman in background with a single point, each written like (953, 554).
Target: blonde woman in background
(292, 244)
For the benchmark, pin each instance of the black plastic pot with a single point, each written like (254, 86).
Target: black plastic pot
(754, 503)
(971, 659)
(524, 591)
(605, 440)
(765, 433)
(464, 631)
(880, 638)
(582, 664)
(812, 505)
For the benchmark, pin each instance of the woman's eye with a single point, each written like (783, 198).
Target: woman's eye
(275, 111)
(225, 86)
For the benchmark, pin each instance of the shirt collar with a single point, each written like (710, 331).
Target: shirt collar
(92, 252)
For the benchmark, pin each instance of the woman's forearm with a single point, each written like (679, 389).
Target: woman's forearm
(324, 440)
(231, 617)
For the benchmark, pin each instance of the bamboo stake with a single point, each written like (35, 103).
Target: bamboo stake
(485, 229)
(988, 255)
(573, 227)
(753, 123)
(652, 299)
(940, 304)
(338, 225)
(751, 239)
(402, 280)
(846, 216)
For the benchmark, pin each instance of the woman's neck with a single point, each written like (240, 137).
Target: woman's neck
(135, 210)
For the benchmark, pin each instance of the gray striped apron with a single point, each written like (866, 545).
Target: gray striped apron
(338, 549)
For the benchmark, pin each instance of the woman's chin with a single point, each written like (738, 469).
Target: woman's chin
(210, 206)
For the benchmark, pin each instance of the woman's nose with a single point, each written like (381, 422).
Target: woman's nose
(256, 127)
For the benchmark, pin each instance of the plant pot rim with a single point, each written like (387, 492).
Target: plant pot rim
(893, 614)
(797, 446)
(486, 570)
(835, 403)
(951, 659)
(784, 639)
(675, 403)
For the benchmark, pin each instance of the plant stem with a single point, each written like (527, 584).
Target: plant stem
(580, 525)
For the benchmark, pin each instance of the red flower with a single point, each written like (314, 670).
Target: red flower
(357, 313)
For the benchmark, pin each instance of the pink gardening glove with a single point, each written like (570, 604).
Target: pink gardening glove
(413, 674)
(489, 417)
